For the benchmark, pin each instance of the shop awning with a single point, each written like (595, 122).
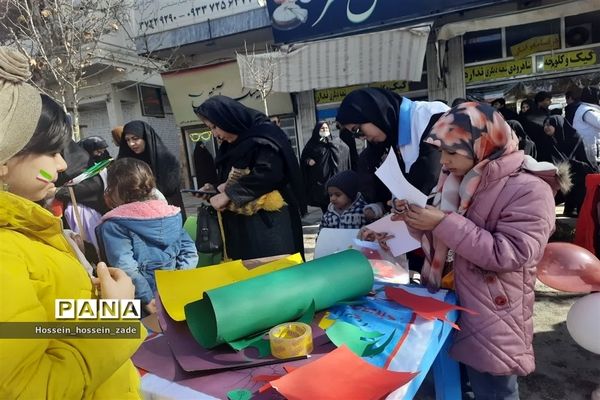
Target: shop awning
(373, 57)
(520, 17)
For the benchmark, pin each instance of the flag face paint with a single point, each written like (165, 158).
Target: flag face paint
(44, 176)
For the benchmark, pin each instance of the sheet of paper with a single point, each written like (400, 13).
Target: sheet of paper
(178, 288)
(402, 242)
(390, 174)
(340, 375)
(331, 240)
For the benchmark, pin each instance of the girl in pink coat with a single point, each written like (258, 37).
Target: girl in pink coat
(491, 218)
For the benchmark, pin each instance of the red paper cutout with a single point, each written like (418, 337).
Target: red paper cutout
(425, 307)
(265, 378)
(340, 375)
(289, 368)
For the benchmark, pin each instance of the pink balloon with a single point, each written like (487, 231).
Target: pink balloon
(569, 268)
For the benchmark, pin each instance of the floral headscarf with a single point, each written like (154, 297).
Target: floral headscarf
(479, 132)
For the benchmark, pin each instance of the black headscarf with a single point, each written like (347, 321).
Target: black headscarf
(378, 106)
(93, 143)
(163, 163)
(591, 95)
(331, 156)
(525, 142)
(252, 127)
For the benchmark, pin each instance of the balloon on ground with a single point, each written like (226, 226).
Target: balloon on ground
(583, 322)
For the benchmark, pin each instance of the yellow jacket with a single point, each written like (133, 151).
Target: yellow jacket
(38, 266)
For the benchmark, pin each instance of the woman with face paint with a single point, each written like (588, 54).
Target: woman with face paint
(323, 157)
(39, 266)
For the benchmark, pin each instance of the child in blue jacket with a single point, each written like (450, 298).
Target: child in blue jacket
(142, 234)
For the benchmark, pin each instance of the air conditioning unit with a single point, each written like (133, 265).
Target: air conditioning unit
(578, 35)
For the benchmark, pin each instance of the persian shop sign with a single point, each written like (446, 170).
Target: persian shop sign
(298, 20)
(336, 95)
(498, 70)
(535, 45)
(571, 59)
(153, 16)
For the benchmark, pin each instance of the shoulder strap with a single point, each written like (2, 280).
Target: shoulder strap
(575, 148)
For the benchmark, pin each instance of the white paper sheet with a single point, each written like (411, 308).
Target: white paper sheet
(333, 240)
(390, 174)
(402, 242)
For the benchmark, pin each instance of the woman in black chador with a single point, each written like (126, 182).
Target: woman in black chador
(260, 185)
(323, 157)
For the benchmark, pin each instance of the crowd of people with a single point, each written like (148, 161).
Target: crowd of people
(493, 178)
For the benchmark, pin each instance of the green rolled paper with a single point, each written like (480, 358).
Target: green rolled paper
(235, 311)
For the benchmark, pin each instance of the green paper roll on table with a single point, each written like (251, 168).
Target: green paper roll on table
(235, 311)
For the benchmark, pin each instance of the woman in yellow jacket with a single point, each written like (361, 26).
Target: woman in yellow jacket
(37, 265)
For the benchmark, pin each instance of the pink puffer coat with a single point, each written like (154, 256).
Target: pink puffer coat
(497, 247)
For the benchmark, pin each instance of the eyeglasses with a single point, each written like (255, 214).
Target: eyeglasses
(357, 133)
(198, 136)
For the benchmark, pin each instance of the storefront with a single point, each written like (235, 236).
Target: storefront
(516, 62)
(189, 88)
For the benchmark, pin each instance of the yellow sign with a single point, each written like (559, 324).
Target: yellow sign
(571, 59)
(189, 88)
(498, 70)
(335, 95)
(535, 45)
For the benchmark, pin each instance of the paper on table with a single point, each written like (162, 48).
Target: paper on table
(402, 242)
(332, 240)
(340, 375)
(178, 288)
(390, 174)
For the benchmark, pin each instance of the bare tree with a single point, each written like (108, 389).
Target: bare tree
(259, 70)
(64, 42)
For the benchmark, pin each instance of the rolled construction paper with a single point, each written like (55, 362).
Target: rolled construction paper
(235, 311)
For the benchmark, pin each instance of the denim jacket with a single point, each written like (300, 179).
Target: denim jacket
(143, 237)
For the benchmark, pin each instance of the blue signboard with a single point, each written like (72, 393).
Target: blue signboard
(299, 20)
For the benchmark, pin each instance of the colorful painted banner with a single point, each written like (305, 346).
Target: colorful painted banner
(535, 45)
(571, 59)
(506, 69)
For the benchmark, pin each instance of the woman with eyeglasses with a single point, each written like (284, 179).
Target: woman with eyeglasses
(261, 194)
(323, 157)
(140, 141)
(389, 121)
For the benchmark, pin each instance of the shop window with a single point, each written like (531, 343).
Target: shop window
(520, 33)
(482, 45)
(582, 29)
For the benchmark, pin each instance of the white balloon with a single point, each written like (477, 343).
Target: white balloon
(583, 322)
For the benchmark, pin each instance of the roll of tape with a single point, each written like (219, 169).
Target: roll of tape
(291, 339)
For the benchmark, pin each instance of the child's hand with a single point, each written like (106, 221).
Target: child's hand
(369, 215)
(114, 283)
(424, 219)
(399, 209)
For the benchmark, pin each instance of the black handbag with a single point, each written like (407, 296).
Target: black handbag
(208, 233)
